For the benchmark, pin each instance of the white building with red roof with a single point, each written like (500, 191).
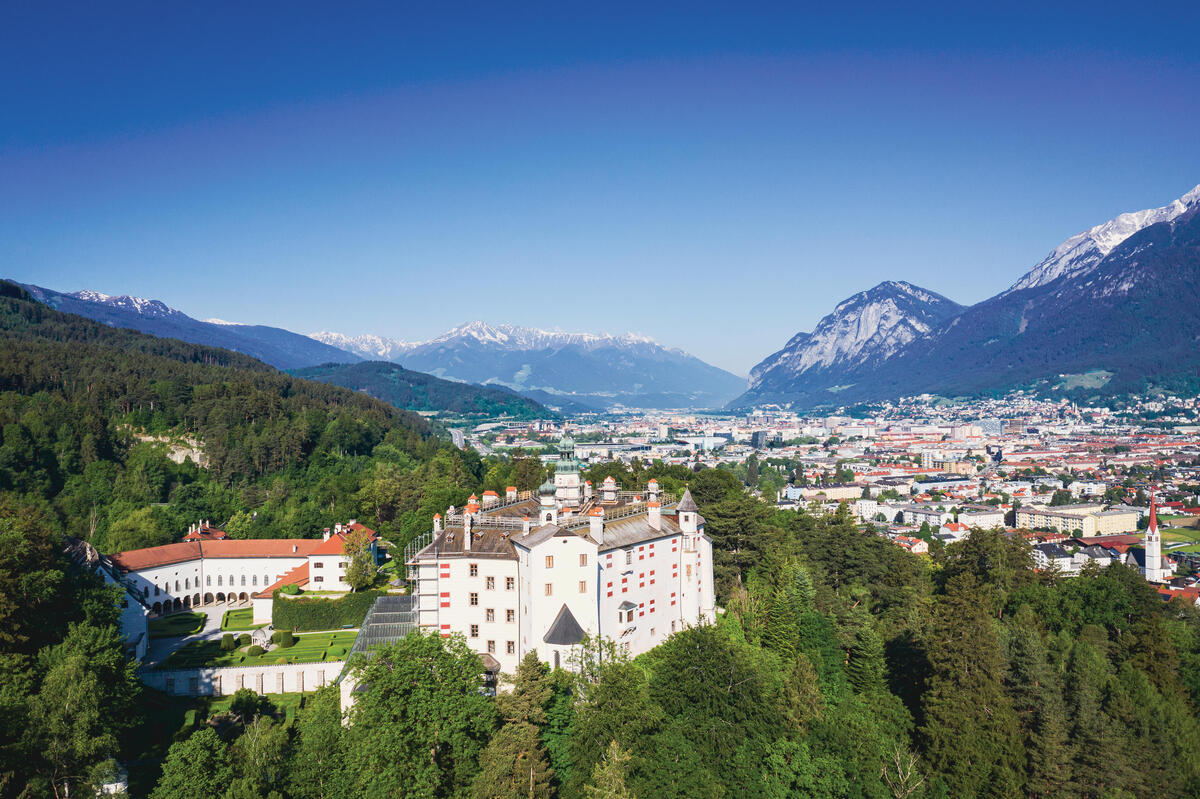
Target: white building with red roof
(207, 569)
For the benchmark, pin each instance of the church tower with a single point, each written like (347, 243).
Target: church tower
(1154, 570)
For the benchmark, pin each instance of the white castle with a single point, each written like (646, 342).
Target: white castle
(611, 564)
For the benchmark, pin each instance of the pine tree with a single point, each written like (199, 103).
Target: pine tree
(608, 778)
(782, 630)
(970, 731)
(514, 765)
(865, 668)
(1038, 702)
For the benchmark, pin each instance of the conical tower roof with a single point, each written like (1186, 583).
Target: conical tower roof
(687, 503)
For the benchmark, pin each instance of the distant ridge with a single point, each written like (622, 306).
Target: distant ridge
(280, 348)
(583, 369)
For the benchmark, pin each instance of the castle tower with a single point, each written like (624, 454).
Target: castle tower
(1154, 570)
(567, 479)
(547, 505)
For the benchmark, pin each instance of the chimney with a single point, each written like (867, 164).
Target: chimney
(596, 521)
(510, 494)
(437, 522)
(654, 514)
(587, 489)
(295, 548)
(353, 522)
(652, 490)
(325, 534)
(467, 534)
(525, 525)
(337, 528)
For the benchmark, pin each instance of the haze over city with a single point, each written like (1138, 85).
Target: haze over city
(668, 171)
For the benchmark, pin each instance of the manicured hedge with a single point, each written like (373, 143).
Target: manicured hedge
(322, 614)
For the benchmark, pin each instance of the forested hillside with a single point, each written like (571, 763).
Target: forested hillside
(417, 391)
(843, 666)
(80, 403)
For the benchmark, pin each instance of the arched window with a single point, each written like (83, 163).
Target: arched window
(219, 579)
(254, 579)
(187, 582)
(176, 585)
(208, 579)
(243, 579)
(156, 590)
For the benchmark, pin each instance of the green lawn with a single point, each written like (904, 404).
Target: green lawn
(1175, 535)
(311, 648)
(176, 625)
(240, 620)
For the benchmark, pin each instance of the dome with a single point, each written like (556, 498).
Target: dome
(546, 488)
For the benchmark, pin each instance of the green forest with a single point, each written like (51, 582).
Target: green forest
(417, 391)
(842, 665)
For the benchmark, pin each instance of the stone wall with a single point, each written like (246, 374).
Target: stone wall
(276, 679)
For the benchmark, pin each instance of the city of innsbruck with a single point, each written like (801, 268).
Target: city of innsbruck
(593, 401)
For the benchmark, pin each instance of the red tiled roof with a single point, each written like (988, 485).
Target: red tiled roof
(336, 543)
(297, 576)
(136, 559)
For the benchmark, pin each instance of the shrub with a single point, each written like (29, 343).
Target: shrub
(287, 639)
(243, 639)
(227, 643)
(255, 650)
(323, 614)
(275, 636)
(291, 589)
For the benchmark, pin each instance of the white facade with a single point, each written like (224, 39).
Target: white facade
(511, 588)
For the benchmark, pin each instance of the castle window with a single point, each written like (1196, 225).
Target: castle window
(176, 585)
(254, 579)
(549, 589)
(490, 614)
(511, 647)
(187, 582)
(474, 569)
(629, 557)
(474, 630)
(583, 586)
(490, 583)
(243, 579)
(510, 615)
(491, 646)
(220, 580)
(474, 598)
(583, 559)
(208, 580)
(510, 583)
(319, 565)
(549, 561)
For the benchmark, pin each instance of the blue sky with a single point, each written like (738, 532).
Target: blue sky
(717, 176)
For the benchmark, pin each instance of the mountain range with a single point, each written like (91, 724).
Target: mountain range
(578, 369)
(280, 348)
(1110, 309)
(574, 372)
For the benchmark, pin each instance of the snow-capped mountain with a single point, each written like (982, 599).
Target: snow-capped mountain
(373, 348)
(1083, 251)
(599, 370)
(1111, 310)
(280, 348)
(869, 327)
(152, 309)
